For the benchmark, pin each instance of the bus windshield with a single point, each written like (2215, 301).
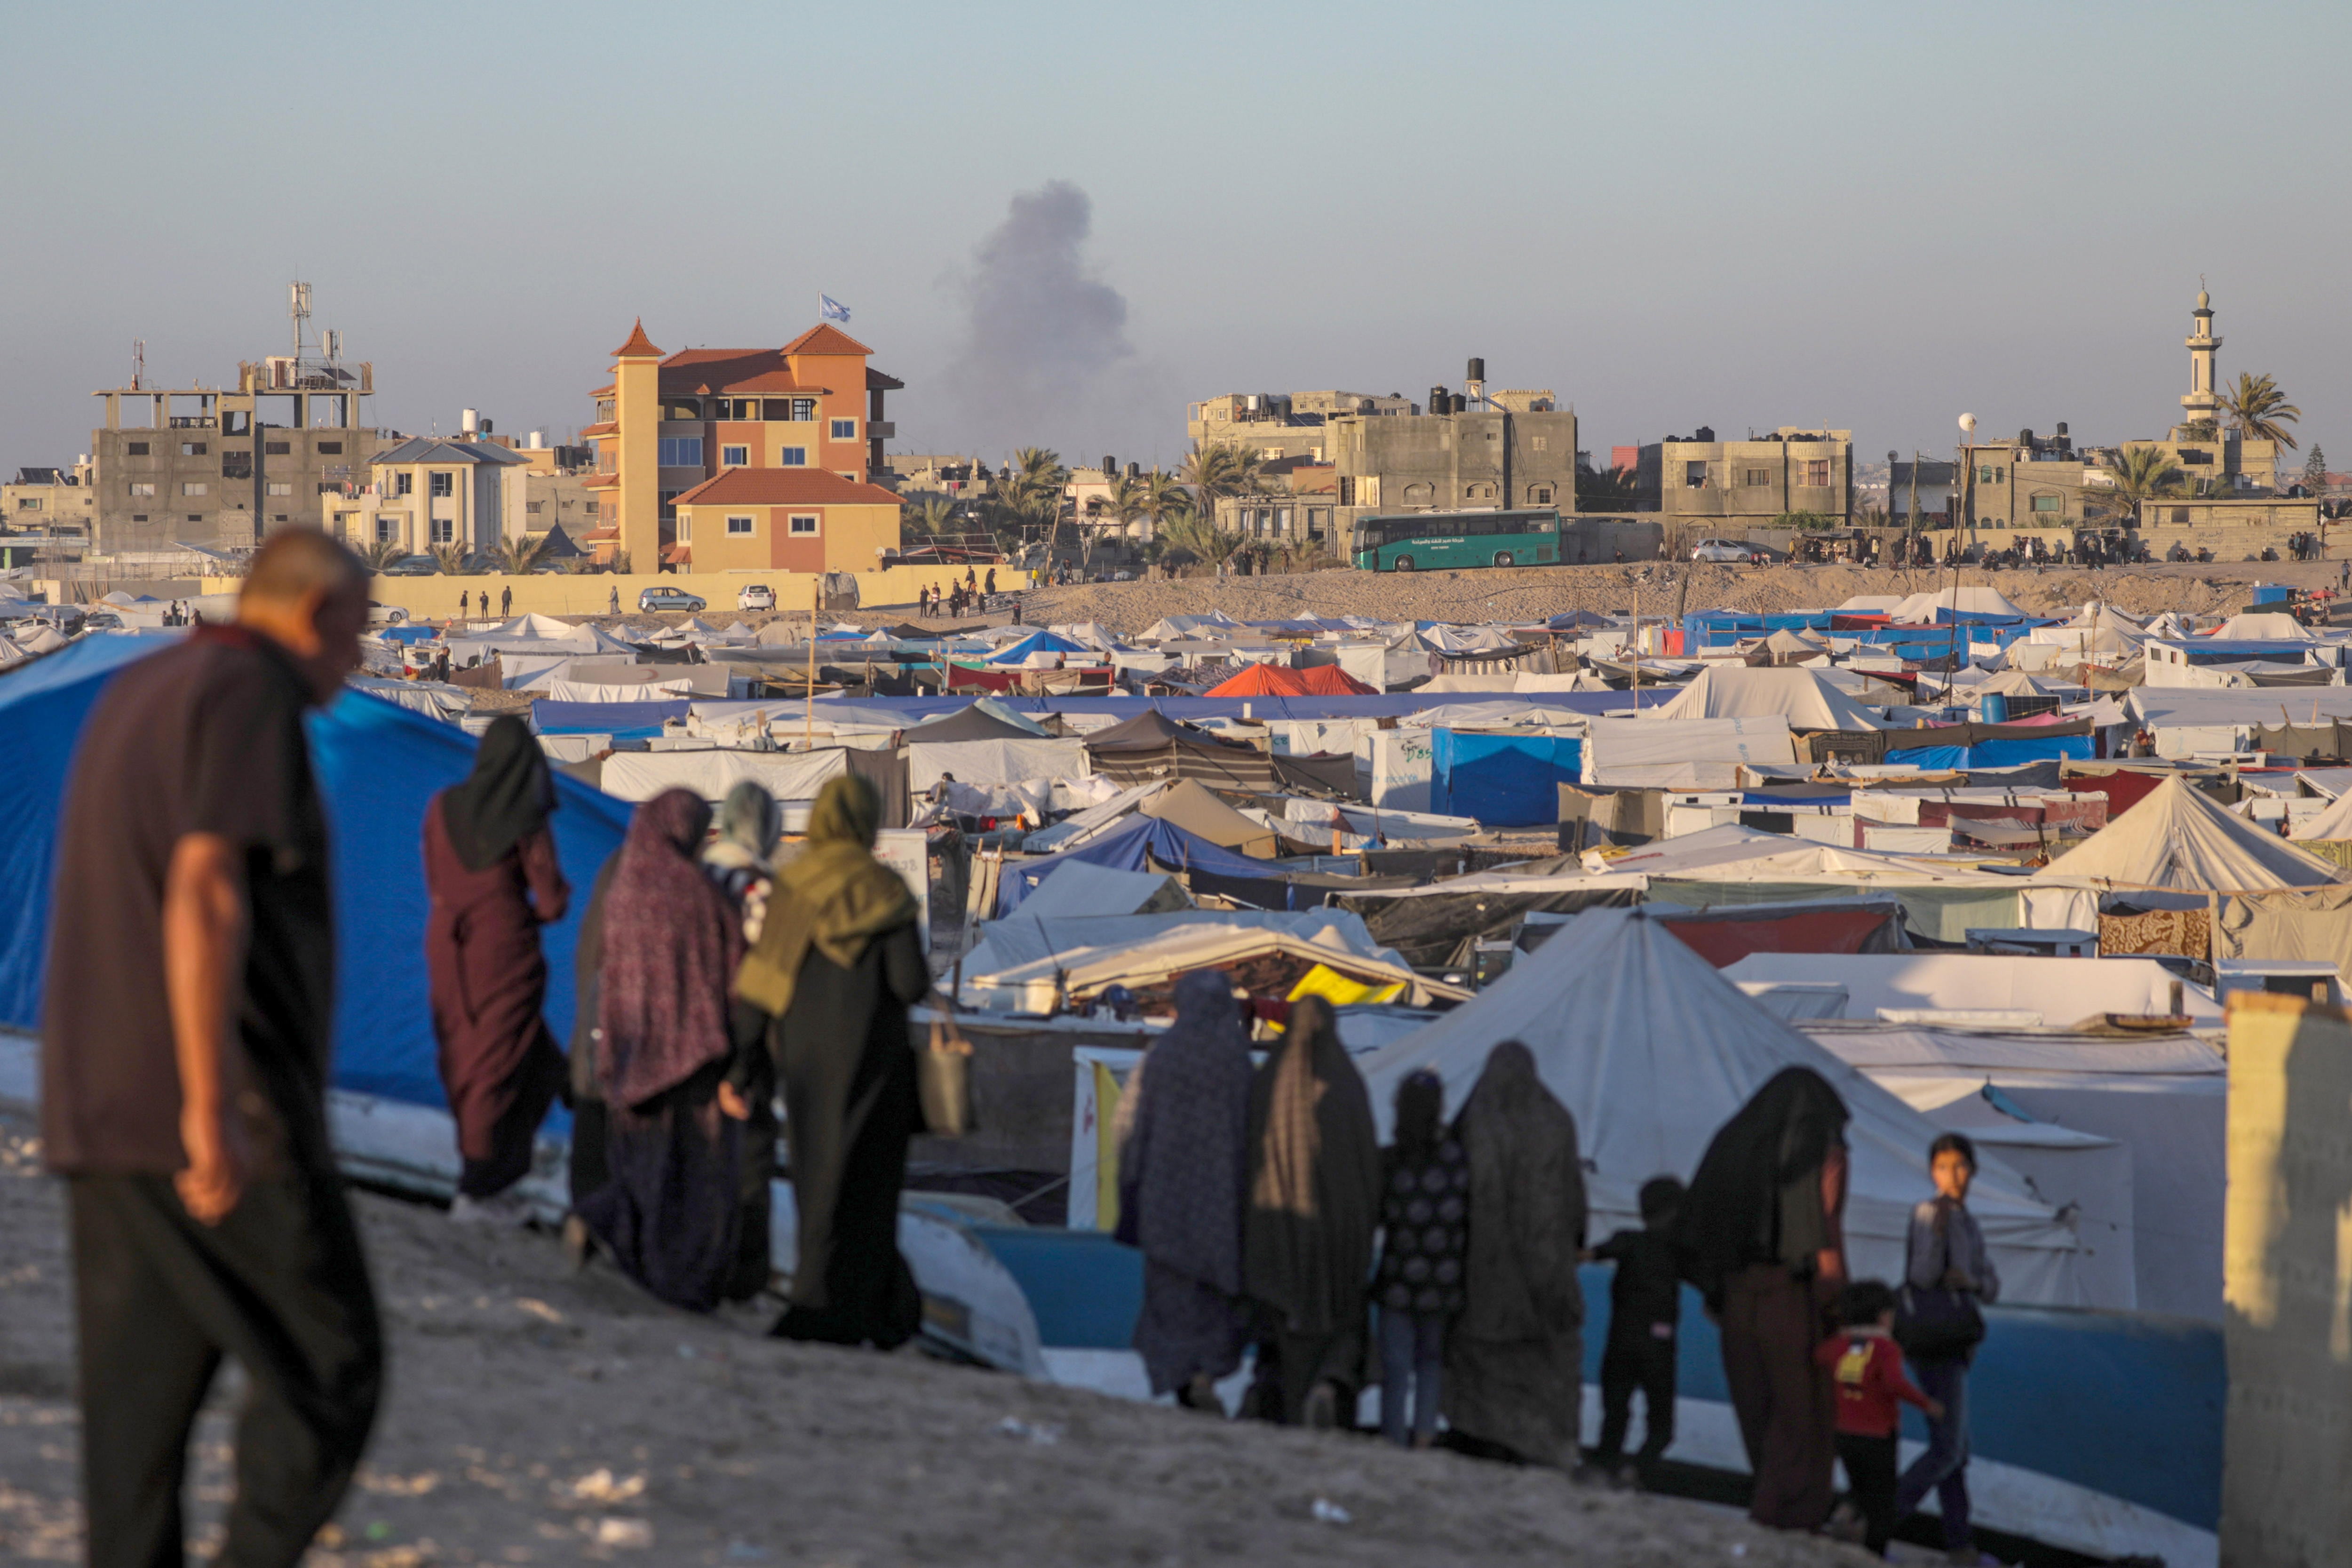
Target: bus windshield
(1423, 541)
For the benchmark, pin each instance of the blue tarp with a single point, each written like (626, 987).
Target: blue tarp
(1037, 642)
(907, 711)
(2010, 751)
(1503, 781)
(378, 764)
(621, 721)
(2116, 1402)
(1130, 847)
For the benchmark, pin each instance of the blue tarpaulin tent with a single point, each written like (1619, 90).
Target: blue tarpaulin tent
(1039, 642)
(1503, 781)
(378, 764)
(621, 721)
(1131, 846)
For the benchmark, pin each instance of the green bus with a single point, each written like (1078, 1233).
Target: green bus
(1421, 541)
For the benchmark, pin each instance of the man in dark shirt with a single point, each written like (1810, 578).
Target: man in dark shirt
(1644, 1310)
(184, 1062)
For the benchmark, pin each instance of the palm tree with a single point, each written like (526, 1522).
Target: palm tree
(2141, 474)
(931, 517)
(2259, 411)
(382, 554)
(1164, 496)
(448, 559)
(1198, 537)
(1215, 473)
(516, 556)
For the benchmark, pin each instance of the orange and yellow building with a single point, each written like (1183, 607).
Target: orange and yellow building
(783, 441)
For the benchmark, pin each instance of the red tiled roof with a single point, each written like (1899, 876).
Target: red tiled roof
(639, 346)
(824, 338)
(589, 432)
(604, 391)
(678, 554)
(705, 371)
(600, 481)
(785, 487)
(610, 530)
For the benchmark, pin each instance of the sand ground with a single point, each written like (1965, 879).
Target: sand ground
(536, 1418)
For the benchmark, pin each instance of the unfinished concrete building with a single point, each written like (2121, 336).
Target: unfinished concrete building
(1703, 486)
(1470, 451)
(218, 467)
(1272, 425)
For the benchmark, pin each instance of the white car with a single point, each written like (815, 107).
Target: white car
(1724, 551)
(757, 597)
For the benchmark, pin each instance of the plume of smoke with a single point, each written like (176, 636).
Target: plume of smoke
(1043, 335)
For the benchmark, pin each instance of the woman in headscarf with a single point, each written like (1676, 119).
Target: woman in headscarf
(737, 860)
(491, 873)
(1183, 1167)
(1315, 1196)
(1762, 1234)
(1515, 1358)
(837, 965)
(667, 1069)
(750, 823)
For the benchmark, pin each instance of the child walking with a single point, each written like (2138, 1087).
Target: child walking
(1948, 1253)
(1425, 1211)
(1644, 1312)
(1868, 1369)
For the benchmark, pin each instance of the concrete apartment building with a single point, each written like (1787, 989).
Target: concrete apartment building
(669, 423)
(217, 467)
(51, 501)
(476, 489)
(1284, 423)
(1701, 485)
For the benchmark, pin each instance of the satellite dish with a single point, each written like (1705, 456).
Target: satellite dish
(1967, 423)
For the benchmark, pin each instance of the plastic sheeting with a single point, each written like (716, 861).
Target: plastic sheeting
(2178, 837)
(787, 776)
(1502, 781)
(377, 766)
(2058, 991)
(1800, 697)
(1640, 752)
(1134, 846)
(1653, 1051)
(997, 762)
(1026, 964)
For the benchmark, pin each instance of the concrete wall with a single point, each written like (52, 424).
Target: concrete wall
(2287, 1283)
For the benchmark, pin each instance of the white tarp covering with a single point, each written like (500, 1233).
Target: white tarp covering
(1920, 609)
(787, 776)
(1654, 1051)
(1641, 752)
(2165, 1099)
(2054, 992)
(2179, 837)
(1023, 964)
(1799, 696)
(557, 690)
(430, 697)
(2335, 822)
(995, 761)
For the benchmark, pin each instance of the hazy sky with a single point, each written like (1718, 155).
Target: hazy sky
(1057, 223)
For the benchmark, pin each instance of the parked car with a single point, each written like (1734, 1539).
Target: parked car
(757, 597)
(1724, 551)
(671, 599)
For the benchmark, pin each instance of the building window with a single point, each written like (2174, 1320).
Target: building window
(192, 489)
(735, 408)
(384, 528)
(403, 484)
(1756, 477)
(278, 489)
(445, 531)
(276, 449)
(803, 525)
(139, 490)
(135, 448)
(532, 505)
(2048, 504)
(1988, 474)
(791, 457)
(803, 409)
(192, 448)
(1817, 473)
(734, 457)
(138, 517)
(589, 507)
(331, 449)
(196, 516)
(738, 525)
(682, 451)
(444, 484)
(844, 429)
(237, 464)
(29, 503)
(1694, 476)
(1540, 495)
(686, 529)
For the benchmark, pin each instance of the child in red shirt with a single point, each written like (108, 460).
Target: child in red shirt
(1868, 1369)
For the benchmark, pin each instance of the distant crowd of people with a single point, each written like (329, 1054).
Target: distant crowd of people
(1279, 1234)
(967, 597)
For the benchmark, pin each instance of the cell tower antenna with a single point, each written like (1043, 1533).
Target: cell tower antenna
(138, 362)
(299, 307)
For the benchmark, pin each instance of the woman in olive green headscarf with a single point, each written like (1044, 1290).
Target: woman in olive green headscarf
(837, 965)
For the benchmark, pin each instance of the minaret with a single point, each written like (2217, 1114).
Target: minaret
(2202, 405)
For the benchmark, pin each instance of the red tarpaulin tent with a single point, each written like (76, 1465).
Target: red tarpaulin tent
(1272, 680)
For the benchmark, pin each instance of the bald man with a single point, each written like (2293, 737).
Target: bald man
(185, 1068)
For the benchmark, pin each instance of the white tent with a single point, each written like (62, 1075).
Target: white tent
(1692, 753)
(2266, 626)
(787, 776)
(2334, 822)
(2050, 992)
(1654, 1051)
(1796, 694)
(2178, 836)
(995, 761)
(1920, 608)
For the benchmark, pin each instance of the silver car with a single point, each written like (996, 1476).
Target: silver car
(1724, 552)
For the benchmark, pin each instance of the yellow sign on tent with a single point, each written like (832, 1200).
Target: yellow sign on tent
(1341, 992)
(1106, 1093)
